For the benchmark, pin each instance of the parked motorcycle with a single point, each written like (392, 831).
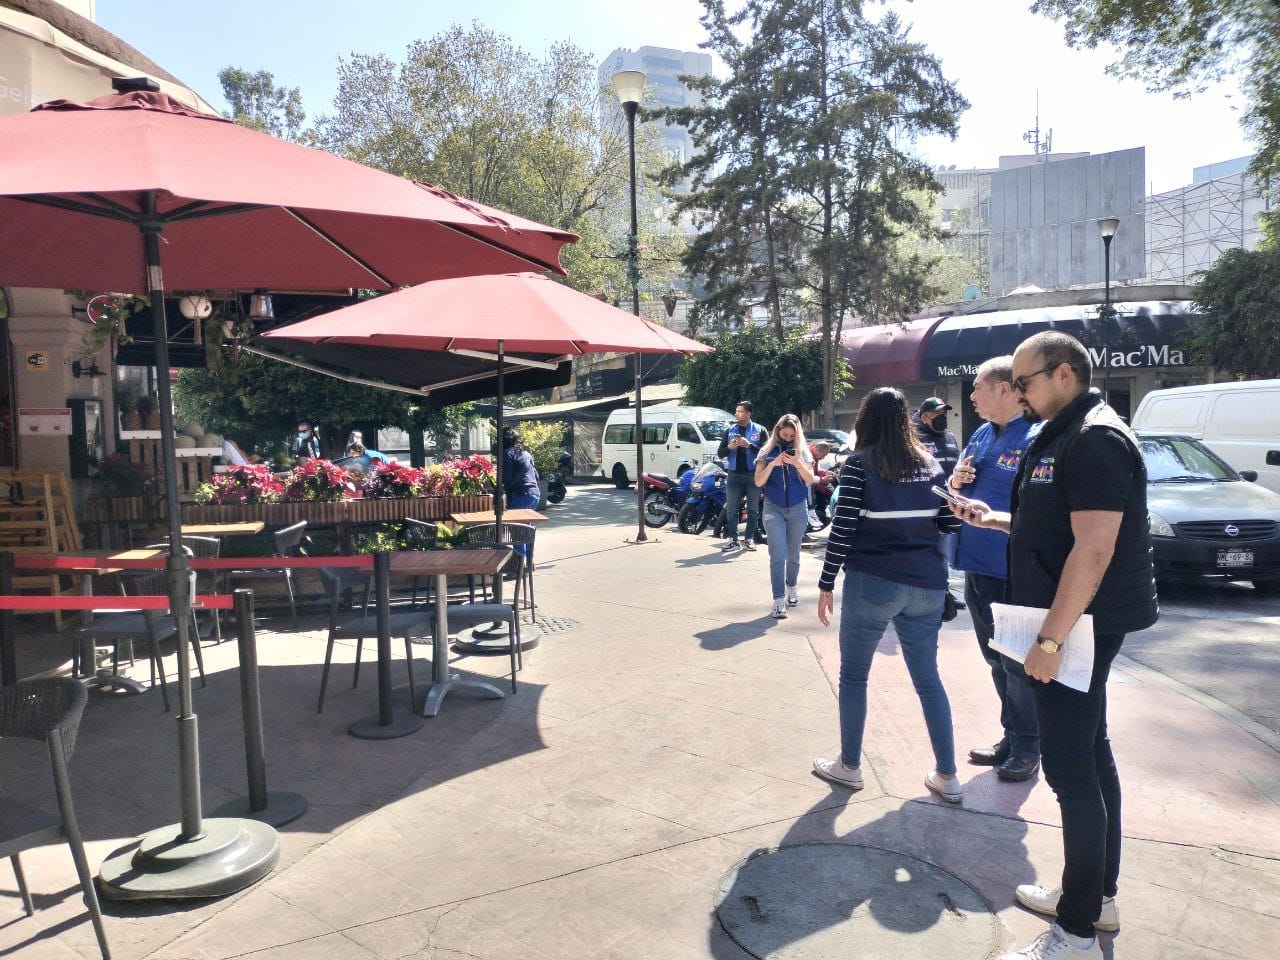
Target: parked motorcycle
(707, 494)
(719, 531)
(664, 497)
(558, 477)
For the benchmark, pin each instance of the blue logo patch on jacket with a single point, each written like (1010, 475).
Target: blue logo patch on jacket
(1042, 472)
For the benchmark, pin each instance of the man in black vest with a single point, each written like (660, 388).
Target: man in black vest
(1079, 543)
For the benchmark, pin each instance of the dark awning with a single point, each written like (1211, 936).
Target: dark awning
(888, 354)
(1144, 334)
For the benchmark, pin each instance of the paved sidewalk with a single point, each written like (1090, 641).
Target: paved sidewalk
(651, 748)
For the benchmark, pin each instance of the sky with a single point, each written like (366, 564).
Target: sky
(998, 53)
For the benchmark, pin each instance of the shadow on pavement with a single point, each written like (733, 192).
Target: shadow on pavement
(919, 868)
(732, 634)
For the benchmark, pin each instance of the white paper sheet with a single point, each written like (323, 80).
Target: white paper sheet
(1016, 629)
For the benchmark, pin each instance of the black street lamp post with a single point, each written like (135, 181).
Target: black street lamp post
(1107, 228)
(629, 85)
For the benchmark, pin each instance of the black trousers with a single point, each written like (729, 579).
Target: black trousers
(1078, 764)
(1017, 699)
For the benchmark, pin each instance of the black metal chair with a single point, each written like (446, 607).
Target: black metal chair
(473, 614)
(206, 547)
(151, 626)
(286, 542)
(420, 535)
(48, 710)
(523, 534)
(338, 580)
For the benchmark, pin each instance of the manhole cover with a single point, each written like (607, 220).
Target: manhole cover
(825, 900)
(550, 624)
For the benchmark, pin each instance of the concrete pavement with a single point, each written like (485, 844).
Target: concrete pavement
(601, 812)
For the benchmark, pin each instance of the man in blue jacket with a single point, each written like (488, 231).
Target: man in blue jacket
(740, 446)
(986, 471)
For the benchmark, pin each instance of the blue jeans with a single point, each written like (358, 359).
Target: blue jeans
(785, 527)
(1017, 698)
(867, 607)
(523, 501)
(741, 485)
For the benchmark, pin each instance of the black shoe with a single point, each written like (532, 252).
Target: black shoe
(990, 756)
(1017, 769)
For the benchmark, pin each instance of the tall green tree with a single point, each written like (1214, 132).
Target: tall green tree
(257, 102)
(1183, 45)
(816, 124)
(1238, 302)
(471, 111)
(777, 376)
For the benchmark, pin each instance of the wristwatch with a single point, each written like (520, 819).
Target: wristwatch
(1047, 645)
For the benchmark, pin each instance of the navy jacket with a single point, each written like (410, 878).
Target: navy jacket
(889, 530)
(996, 455)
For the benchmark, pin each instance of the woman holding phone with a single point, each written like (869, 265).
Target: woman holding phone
(784, 469)
(885, 537)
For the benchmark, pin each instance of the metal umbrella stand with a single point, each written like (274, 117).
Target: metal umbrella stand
(194, 857)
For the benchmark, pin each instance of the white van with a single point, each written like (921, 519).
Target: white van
(1239, 421)
(676, 439)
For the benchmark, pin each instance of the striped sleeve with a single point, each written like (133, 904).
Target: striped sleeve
(844, 525)
(946, 521)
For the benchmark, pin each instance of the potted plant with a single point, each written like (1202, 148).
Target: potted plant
(247, 483)
(316, 480)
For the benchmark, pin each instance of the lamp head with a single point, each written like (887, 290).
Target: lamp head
(629, 86)
(195, 307)
(1107, 227)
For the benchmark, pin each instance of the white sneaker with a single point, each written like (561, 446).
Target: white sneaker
(793, 599)
(836, 771)
(1053, 944)
(1044, 900)
(948, 790)
(779, 609)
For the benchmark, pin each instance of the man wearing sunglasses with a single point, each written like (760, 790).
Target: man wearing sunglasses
(1079, 543)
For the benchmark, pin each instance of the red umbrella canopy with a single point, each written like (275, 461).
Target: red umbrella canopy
(239, 209)
(525, 312)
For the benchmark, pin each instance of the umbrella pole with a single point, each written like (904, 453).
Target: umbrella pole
(498, 494)
(195, 857)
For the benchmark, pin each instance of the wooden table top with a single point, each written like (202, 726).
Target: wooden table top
(243, 528)
(518, 515)
(102, 569)
(426, 563)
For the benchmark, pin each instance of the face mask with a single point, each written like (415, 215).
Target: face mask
(940, 422)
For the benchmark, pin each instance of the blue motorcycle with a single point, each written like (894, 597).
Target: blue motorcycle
(708, 490)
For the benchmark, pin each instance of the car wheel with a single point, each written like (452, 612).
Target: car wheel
(1267, 588)
(620, 477)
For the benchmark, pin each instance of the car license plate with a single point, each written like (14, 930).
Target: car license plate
(1235, 558)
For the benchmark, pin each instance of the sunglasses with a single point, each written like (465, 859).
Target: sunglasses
(1020, 383)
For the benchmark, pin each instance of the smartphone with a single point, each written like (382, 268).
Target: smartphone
(950, 497)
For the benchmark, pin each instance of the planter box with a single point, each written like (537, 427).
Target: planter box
(341, 511)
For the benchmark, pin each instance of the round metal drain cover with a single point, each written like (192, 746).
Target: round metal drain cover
(550, 624)
(825, 900)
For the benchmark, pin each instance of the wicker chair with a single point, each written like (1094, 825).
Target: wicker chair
(337, 580)
(474, 614)
(48, 710)
(517, 534)
(420, 535)
(285, 542)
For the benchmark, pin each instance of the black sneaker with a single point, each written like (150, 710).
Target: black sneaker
(731, 545)
(748, 545)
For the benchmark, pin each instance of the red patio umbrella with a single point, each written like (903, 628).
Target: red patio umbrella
(519, 313)
(135, 192)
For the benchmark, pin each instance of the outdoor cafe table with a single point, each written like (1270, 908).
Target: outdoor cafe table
(441, 564)
(508, 516)
(99, 564)
(245, 528)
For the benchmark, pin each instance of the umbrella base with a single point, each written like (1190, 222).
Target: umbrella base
(371, 728)
(282, 807)
(495, 639)
(231, 855)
